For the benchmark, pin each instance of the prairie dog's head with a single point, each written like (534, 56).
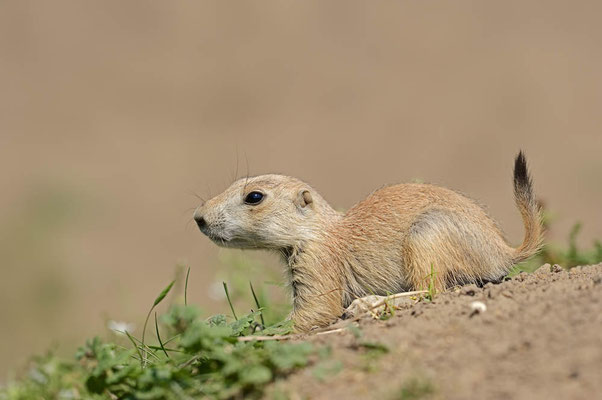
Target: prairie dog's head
(263, 212)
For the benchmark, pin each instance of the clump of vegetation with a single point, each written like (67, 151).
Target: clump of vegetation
(370, 351)
(201, 358)
(568, 257)
(432, 289)
(415, 389)
(239, 269)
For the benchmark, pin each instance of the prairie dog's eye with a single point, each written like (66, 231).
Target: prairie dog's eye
(254, 198)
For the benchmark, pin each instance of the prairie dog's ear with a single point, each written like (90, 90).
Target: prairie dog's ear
(303, 198)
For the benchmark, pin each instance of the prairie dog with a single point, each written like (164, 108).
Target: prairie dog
(387, 243)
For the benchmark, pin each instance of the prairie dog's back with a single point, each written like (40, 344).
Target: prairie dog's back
(395, 208)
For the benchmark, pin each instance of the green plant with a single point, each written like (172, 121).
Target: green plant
(415, 389)
(432, 289)
(158, 300)
(241, 271)
(202, 358)
(389, 309)
(568, 257)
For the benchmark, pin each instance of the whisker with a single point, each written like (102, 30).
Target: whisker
(193, 193)
(247, 177)
(236, 172)
(208, 189)
(188, 210)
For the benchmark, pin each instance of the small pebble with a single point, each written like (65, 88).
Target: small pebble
(556, 268)
(478, 307)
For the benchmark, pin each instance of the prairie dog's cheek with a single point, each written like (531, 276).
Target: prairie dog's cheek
(239, 224)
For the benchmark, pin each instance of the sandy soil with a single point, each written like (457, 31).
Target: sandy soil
(540, 338)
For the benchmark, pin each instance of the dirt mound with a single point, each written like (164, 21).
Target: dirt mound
(540, 337)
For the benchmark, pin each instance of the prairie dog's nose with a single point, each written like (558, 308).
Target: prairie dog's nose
(200, 221)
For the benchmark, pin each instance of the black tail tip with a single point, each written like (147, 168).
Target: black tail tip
(521, 174)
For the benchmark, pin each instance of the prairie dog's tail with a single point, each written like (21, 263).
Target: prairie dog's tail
(529, 210)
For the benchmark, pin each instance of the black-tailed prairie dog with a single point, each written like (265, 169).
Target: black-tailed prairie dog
(387, 243)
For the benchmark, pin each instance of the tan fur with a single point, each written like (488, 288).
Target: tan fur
(387, 243)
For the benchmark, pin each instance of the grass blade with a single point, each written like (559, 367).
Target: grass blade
(432, 291)
(136, 347)
(186, 288)
(159, 336)
(229, 301)
(158, 300)
(167, 348)
(163, 293)
(258, 305)
(172, 338)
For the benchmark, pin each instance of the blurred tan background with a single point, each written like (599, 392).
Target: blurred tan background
(114, 113)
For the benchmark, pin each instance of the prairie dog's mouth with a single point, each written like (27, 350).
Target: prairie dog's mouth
(216, 238)
(231, 242)
(225, 242)
(220, 237)
(213, 236)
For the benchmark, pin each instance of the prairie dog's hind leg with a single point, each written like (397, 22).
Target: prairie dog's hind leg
(458, 247)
